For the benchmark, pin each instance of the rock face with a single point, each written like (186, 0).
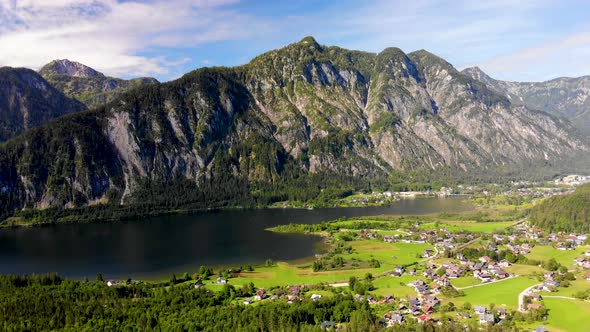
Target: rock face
(69, 68)
(303, 109)
(87, 85)
(27, 101)
(565, 97)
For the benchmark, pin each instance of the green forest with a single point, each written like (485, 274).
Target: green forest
(48, 302)
(568, 213)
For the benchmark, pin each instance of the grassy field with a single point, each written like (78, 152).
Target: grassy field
(389, 255)
(470, 226)
(575, 286)
(287, 274)
(465, 281)
(504, 293)
(524, 270)
(396, 286)
(568, 315)
(564, 257)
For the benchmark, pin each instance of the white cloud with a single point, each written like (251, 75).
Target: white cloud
(562, 57)
(109, 35)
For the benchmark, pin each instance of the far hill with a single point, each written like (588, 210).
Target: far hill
(27, 101)
(565, 96)
(87, 85)
(568, 213)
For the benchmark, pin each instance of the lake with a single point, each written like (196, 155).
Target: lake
(161, 246)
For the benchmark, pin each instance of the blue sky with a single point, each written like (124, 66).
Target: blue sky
(514, 40)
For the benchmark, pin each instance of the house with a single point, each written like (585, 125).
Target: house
(399, 269)
(327, 325)
(222, 281)
(294, 290)
(485, 259)
(198, 283)
(247, 301)
(397, 318)
(484, 277)
(534, 306)
(315, 297)
(587, 276)
(501, 313)
(442, 281)
(480, 310)
(260, 294)
(536, 297)
(427, 309)
(540, 329)
(504, 263)
(428, 252)
(486, 319)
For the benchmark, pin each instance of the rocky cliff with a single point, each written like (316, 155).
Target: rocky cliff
(565, 97)
(27, 101)
(87, 85)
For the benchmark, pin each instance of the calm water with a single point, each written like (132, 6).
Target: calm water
(174, 244)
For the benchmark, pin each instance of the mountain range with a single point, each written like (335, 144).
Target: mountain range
(258, 132)
(565, 96)
(29, 99)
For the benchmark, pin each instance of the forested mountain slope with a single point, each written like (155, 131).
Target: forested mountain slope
(569, 213)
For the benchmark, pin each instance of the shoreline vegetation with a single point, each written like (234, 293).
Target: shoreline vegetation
(96, 214)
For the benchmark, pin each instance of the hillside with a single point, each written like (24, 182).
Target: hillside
(565, 97)
(87, 85)
(290, 123)
(569, 213)
(27, 101)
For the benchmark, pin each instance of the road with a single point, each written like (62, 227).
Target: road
(521, 296)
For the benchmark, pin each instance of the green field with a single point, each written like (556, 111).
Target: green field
(500, 293)
(465, 281)
(389, 255)
(470, 226)
(395, 286)
(524, 270)
(568, 315)
(564, 257)
(579, 285)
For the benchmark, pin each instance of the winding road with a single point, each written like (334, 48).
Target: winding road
(521, 296)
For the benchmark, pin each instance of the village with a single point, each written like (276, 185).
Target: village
(452, 272)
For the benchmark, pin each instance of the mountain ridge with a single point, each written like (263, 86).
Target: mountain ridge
(259, 132)
(567, 97)
(87, 85)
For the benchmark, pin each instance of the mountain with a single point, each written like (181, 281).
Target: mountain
(87, 85)
(290, 123)
(565, 97)
(27, 100)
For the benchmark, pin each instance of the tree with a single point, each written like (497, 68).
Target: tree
(269, 263)
(352, 283)
(99, 277)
